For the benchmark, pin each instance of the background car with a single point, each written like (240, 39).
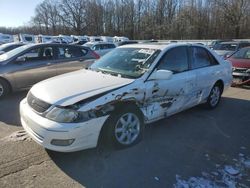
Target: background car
(126, 42)
(241, 66)
(215, 42)
(225, 49)
(26, 65)
(101, 48)
(9, 46)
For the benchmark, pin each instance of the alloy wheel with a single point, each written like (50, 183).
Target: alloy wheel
(215, 96)
(127, 128)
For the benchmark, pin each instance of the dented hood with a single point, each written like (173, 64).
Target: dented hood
(70, 88)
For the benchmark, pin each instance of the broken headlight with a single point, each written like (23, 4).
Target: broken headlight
(62, 115)
(69, 115)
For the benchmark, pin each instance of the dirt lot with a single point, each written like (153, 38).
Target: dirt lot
(195, 147)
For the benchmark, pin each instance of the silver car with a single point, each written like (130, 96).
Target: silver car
(101, 48)
(26, 65)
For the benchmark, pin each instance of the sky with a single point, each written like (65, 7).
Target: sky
(15, 13)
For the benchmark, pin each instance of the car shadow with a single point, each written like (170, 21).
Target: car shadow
(177, 145)
(9, 108)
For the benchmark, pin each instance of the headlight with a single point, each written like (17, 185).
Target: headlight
(62, 115)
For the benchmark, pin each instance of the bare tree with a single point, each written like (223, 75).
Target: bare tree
(143, 19)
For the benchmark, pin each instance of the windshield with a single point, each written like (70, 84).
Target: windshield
(227, 47)
(243, 53)
(12, 53)
(126, 62)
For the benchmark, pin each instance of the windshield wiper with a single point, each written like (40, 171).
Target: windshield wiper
(105, 71)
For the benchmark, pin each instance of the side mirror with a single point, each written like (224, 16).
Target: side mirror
(161, 75)
(21, 59)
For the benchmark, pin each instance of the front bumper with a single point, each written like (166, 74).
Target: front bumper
(240, 77)
(43, 130)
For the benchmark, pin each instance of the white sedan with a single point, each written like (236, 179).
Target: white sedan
(130, 87)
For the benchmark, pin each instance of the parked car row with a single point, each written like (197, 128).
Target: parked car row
(66, 39)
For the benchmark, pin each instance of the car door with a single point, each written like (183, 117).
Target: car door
(70, 58)
(36, 65)
(166, 97)
(205, 66)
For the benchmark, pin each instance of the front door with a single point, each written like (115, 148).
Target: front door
(166, 97)
(38, 64)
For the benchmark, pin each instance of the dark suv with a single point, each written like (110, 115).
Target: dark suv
(29, 64)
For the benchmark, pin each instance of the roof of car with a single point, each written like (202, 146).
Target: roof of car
(12, 43)
(158, 46)
(234, 42)
(99, 42)
(52, 44)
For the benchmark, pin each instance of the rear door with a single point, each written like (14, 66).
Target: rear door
(39, 64)
(70, 58)
(207, 71)
(166, 97)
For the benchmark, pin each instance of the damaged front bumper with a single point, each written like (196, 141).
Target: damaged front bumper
(241, 76)
(62, 137)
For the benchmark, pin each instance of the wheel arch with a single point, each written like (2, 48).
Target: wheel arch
(119, 105)
(220, 83)
(7, 81)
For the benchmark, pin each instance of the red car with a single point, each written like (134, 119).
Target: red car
(241, 66)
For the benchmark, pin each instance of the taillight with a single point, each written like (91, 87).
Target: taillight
(95, 55)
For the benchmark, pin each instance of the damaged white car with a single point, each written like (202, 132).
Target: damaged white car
(128, 88)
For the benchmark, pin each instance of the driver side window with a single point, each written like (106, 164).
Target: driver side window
(175, 60)
(37, 54)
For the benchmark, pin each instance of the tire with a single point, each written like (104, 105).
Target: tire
(214, 97)
(4, 88)
(119, 133)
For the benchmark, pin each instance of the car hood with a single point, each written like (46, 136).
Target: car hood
(70, 88)
(240, 63)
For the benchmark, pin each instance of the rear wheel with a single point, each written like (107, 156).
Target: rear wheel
(124, 128)
(4, 88)
(214, 97)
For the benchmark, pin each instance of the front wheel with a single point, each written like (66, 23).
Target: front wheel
(125, 127)
(214, 97)
(4, 88)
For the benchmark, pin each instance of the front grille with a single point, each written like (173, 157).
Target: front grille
(37, 104)
(240, 70)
